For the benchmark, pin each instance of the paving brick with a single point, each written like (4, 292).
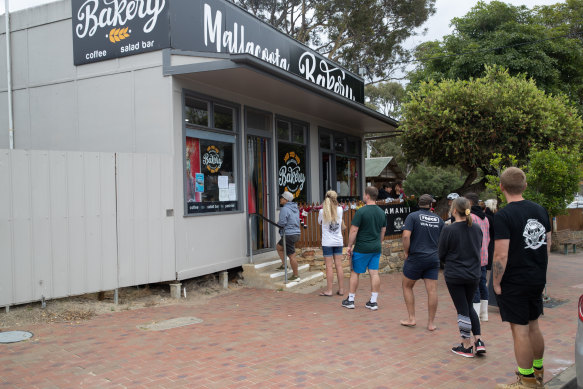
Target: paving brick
(262, 338)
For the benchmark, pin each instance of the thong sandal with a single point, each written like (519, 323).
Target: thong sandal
(339, 294)
(325, 295)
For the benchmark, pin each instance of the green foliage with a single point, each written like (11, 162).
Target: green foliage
(386, 97)
(553, 177)
(434, 180)
(367, 33)
(499, 163)
(544, 43)
(465, 122)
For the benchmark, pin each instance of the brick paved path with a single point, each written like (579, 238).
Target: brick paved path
(260, 338)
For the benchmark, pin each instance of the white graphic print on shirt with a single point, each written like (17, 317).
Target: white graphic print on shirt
(534, 234)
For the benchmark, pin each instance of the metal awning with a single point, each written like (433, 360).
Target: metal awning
(249, 76)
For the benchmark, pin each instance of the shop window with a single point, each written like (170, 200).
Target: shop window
(211, 157)
(223, 117)
(340, 164)
(325, 141)
(196, 112)
(258, 120)
(292, 158)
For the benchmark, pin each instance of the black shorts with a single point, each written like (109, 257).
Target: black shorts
(520, 304)
(290, 243)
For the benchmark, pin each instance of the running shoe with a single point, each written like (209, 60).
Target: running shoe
(371, 306)
(348, 304)
(464, 352)
(480, 347)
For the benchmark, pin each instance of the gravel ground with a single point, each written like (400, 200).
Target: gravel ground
(85, 307)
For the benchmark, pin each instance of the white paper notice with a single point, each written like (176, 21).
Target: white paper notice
(223, 182)
(223, 195)
(232, 192)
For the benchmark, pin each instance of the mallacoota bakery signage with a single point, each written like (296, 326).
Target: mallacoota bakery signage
(107, 29)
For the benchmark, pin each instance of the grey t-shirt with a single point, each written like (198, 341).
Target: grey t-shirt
(425, 227)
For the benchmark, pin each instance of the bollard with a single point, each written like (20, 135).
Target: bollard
(224, 279)
(175, 290)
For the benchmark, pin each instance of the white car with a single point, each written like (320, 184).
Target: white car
(579, 345)
(577, 202)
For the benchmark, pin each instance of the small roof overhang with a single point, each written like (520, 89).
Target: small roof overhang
(247, 75)
(379, 167)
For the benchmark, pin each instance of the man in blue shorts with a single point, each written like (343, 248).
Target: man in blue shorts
(420, 239)
(367, 231)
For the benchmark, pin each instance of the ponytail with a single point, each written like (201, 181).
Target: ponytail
(468, 217)
(462, 206)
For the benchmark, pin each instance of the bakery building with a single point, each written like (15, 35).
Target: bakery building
(137, 136)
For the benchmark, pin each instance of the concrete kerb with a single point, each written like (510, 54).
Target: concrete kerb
(565, 380)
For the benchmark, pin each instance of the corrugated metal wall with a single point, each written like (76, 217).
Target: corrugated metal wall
(58, 232)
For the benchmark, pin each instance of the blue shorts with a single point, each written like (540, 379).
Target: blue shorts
(416, 269)
(329, 251)
(360, 261)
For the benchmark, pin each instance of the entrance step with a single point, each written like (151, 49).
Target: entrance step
(264, 273)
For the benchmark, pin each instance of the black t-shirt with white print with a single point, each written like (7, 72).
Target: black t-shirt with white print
(526, 225)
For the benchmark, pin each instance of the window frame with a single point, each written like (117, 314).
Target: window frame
(333, 134)
(305, 144)
(214, 134)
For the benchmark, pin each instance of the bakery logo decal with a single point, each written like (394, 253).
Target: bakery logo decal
(233, 41)
(212, 159)
(290, 174)
(116, 13)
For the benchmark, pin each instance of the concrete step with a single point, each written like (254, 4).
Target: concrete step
(278, 275)
(306, 279)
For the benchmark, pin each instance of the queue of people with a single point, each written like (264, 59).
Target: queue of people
(514, 242)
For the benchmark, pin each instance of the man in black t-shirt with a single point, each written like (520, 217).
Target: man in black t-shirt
(522, 243)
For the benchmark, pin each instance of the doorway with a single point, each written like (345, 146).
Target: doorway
(258, 188)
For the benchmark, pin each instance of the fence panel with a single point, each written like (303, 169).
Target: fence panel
(312, 235)
(572, 221)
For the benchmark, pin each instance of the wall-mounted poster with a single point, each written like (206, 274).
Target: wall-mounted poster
(199, 184)
(291, 174)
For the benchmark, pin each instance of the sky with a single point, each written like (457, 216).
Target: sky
(437, 25)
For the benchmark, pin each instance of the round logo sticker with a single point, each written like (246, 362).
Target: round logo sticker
(212, 159)
(290, 175)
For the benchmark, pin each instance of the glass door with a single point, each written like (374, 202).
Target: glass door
(258, 196)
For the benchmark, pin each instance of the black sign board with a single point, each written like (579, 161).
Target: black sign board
(212, 206)
(106, 29)
(396, 215)
(221, 27)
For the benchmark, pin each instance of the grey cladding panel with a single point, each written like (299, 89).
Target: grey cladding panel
(18, 48)
(153, 121)
(50, 53)
(53, 117)
(105, 113)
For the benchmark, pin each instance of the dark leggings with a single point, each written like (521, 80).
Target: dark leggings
(462, 295)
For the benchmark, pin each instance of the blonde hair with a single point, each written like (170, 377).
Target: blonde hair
(491, 203)
(462, 206)
(330, 207)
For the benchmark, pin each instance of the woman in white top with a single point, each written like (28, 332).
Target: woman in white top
(330, 217)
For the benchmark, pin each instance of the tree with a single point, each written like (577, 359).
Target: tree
(386, 97)
(544, 43)
(434, 180)
(552, 177)
(463, 123)
(365, 34)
